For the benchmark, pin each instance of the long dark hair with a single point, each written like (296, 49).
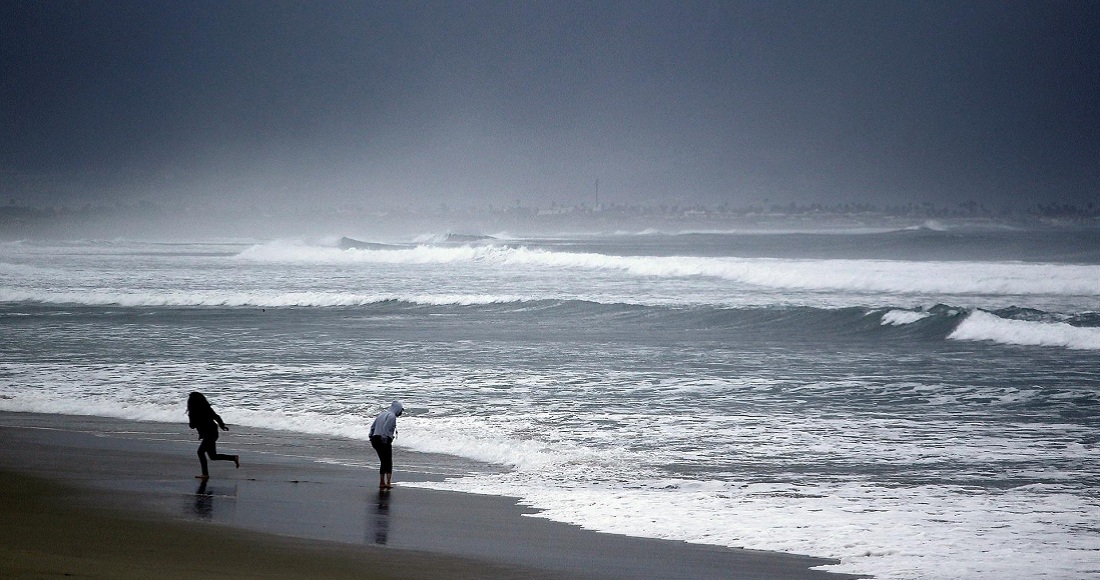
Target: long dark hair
(198, 408)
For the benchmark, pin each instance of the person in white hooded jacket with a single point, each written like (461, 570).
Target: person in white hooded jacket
(382, 433)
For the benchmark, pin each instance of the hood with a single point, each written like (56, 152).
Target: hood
(396, 408)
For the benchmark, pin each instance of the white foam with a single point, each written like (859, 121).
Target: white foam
(297, 273)
(49, 401)
(983, 326)
(467, 437)
(887, 276)
(923, 532)
(903, 317)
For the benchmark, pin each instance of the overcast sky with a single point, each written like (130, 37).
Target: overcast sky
(374, 103)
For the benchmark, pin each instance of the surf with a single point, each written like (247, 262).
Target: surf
(862, 275)
(983, 326)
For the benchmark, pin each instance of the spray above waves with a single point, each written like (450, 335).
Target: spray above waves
(272, 299)
(903, 317)
(881, 276)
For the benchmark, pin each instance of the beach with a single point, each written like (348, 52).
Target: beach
(100, 497)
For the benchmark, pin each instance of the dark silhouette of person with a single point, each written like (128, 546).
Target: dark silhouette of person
(382, 433)
(201, 416)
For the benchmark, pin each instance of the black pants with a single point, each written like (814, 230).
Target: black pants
(384, 447)
(209, 446)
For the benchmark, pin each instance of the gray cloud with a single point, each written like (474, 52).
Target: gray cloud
(490, 102)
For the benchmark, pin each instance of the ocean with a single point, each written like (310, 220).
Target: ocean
(919, 404)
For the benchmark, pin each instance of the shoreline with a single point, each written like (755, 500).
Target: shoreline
(290, 496)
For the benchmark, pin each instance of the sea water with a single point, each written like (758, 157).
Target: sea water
(917, 404)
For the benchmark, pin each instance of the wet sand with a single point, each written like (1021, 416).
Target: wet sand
(110, 498)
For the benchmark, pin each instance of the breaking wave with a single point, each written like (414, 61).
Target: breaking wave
(887, 276)
(984, 326)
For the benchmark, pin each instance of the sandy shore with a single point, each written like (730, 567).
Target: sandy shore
(109, 498)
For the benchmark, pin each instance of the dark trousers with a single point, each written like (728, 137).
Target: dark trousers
(384, 447)
(209, 446)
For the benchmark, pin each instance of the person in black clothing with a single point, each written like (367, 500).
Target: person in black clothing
(382, 433)
(201, 416)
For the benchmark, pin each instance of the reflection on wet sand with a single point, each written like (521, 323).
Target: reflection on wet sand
(204, 502)
(381, 521)
(203, 505)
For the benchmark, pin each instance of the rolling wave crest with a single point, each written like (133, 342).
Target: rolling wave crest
(984, 326)
(886, 276)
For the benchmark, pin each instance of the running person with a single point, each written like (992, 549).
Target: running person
(201, 416)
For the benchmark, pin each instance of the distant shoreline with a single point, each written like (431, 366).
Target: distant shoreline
(162, 222)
